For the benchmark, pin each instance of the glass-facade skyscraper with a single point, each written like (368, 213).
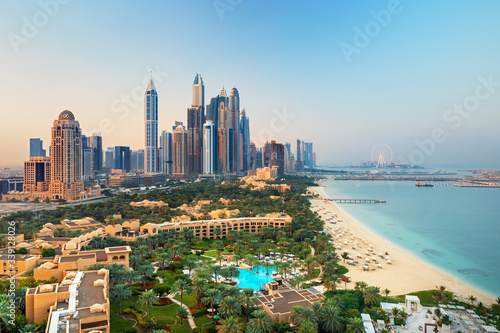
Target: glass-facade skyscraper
(151, 128)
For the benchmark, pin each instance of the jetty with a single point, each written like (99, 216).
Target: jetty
(357, 200)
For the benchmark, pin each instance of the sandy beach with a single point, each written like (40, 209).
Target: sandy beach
(406, 273)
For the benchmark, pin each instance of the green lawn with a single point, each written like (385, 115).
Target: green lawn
(188, 299)
(164, 313)
(169, 277)
(315, 273)
(425, 297)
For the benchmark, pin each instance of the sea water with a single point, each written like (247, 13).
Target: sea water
(456, 229)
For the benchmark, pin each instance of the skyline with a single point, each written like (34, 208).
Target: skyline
(395, 90)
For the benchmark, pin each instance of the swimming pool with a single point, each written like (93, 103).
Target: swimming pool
(250, 279)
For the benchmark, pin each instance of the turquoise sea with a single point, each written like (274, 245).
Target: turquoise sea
(456, 229)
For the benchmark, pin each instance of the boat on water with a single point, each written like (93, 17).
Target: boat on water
(424, 185)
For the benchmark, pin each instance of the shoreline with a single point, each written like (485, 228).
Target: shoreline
(407, 273)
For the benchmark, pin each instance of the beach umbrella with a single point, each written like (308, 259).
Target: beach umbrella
(367, 253)
(359, 256)
(380, 254)
(346, 242)
(379, 265)
(346, 251)
(349, 256)
(374, 258)
(367, 259)
(388, 258)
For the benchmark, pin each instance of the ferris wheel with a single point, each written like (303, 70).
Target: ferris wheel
(381, 155)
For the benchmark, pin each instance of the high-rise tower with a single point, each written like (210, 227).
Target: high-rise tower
(244, 142)
(233, 119)
(224, 142)
(208, 147)
(198, 92)
(66, 158)
(179, 151)
(151, 128)
(165, 152)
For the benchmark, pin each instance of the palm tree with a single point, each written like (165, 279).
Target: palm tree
(190, 264)
(237, 258)
(472, 299)
(285, 268)
(132, 277)
(266, 265)
(331, 281)
(301, 314)
(211, 297)
(345, 279)
(344, 256)
(372, 296)
(146, 270)
(199, 285)
(360, 286)
(331, 319)
(182, 313)
(229, 325)
(260, 322)
(120, 291)
(147, 299)
(386, 292)
(355, 325)
(134, 261)
(247, 299)
(233, 272)
(307, 327)
(497, 300)
(162, 257)
(215, 270)
(180, 286)
(116, 274)
(219, 258)
(229, 306)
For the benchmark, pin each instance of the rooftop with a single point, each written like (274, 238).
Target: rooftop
(288, 298)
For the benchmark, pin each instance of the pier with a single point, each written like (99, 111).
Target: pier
(392, 178)
(357, 200)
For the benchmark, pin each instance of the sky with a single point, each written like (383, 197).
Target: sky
(418, 76)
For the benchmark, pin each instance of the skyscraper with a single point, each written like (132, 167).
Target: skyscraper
(66, 158)
(298, 158)
(208, 148)
(110, 159)
(244, 142)
(195, 120)
(122, 158)
(140, 159)
(233, 120)
(253, 155)
(37, 174)
(165, 152)
(212, 114)
(36, 147)
(96, 158)
(198, 92)
(179, 151)
(224, 141)
(151, 128)
(278, 157)
(86, 158)
(266, 155)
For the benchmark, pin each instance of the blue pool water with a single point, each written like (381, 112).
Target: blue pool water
(250, 279)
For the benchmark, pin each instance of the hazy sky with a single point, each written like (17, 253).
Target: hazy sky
(345, 75)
